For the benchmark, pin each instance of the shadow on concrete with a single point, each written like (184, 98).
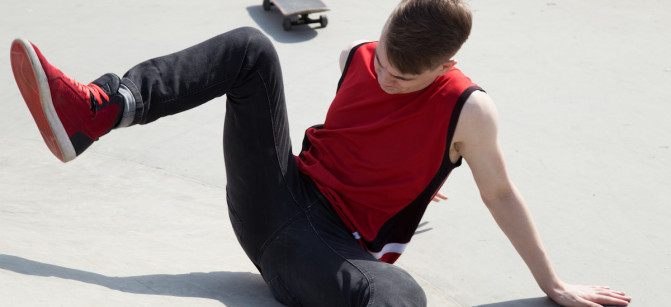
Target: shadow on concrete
(271, 23)
(421, 229)
(230, 288)
(529, 302)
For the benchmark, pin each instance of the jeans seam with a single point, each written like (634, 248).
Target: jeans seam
(189, 93)
(277, 151)
(369, 278)
(279, 165)
(272, 236)
(195, 92)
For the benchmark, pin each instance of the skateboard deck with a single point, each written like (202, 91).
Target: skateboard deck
(296, 12)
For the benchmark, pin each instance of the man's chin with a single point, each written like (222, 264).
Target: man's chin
(390, 91)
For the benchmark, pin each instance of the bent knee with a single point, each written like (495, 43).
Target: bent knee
(403, 290)
(255, 39)
(258, 49)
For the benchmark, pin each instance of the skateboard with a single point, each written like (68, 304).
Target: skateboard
(296, 12)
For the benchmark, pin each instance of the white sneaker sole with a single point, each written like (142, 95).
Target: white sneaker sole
(34, 87)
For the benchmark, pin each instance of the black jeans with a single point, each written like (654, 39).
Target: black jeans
(284, 224)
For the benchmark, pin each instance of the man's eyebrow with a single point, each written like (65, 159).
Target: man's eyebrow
(395, 76)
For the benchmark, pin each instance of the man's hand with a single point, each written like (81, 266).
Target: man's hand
(438, 197)
(590, 296)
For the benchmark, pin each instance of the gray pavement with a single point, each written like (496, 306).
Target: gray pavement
(140, 219)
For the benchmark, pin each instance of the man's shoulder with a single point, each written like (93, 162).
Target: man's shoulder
(478, 116)
(346, 52)
(478, 105)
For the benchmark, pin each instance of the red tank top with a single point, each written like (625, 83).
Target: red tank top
(380, 158)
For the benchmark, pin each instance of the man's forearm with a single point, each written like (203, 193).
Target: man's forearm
(514, 219)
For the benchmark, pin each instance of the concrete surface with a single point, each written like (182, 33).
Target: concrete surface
(140, 219)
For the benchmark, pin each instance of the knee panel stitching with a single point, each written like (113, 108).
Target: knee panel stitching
(369, 278)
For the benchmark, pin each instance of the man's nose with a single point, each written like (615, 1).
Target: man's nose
(385, 79)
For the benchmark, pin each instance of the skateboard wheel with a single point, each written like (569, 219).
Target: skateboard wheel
(266, 5)
(286, 24)
(323, 21)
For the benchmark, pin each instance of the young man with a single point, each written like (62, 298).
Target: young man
(323, 227)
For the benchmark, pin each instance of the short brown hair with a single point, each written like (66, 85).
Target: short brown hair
(421, 34)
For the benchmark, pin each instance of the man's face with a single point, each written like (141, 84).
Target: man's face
(393, 81)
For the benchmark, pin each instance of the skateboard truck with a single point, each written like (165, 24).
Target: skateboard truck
(304, 19)
(296, 12)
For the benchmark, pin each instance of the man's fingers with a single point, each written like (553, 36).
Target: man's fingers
(438, 197)
(606, 296)
(614, 298)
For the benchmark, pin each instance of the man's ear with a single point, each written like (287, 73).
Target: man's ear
(447, 66)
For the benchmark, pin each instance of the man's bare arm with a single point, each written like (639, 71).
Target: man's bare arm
(476, 140)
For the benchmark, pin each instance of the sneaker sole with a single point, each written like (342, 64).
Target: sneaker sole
(34, 87)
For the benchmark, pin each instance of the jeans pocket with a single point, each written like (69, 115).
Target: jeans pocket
(281, 293)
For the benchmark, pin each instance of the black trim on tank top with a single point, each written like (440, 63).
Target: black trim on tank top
(456, 112)
(349, 59)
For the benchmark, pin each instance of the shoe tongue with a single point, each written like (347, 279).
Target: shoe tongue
(109, 83)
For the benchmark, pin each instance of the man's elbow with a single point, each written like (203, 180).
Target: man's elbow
(499, 197)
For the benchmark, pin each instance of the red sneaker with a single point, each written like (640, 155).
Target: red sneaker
(69, 115)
